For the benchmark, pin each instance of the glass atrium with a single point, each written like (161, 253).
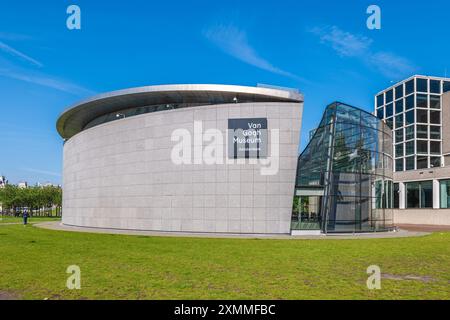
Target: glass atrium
(344, 175)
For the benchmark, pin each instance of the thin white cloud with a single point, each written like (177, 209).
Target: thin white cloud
(16, 53)
(45, 172)
(344, 43)
(234, 42)
(347, 44)
(46, 81)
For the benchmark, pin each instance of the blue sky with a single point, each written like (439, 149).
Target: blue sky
(323, 48)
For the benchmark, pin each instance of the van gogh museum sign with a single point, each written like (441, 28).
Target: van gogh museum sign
(247, 138)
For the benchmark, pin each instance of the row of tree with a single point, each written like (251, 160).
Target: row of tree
(38, 201)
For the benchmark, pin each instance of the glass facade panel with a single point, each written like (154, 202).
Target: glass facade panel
(422, 85)
(412, 195)
(435, 86)
(409, 148)
(435, 162)
(409, 87)
(435, 132)
(419, 194)
(446, 86)
(444, 187)
(422, 116)
(398, 135)
(399, 150)
(389, 96)
(435, 102)
(426, 194)
(389, 110)
(409, 133)
(409, 117)
(396, 195)
(399, 120)
(380, 100)
(422, 146)
(422, 131)
(349, 158)
(435, 147)
(422, 162)
(399, 106)
(390, 122)
(399, 91)
(421, 101)
(399, 165)
(409, 163)
(435, 117)
(380, 113)
(409, 102)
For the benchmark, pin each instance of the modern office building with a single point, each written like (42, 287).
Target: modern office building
(418, 111)
(194, 158)
(344, 176)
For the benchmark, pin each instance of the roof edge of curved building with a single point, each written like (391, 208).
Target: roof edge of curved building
(167, 93)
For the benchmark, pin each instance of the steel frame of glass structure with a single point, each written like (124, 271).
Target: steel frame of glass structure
(346, 172)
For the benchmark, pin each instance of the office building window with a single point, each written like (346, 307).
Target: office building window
(399, 165)
(419, 194)
(435, 162)
(399, 106)
(399, 150)
(435, 147)
(422, 85)
(396, 195)
(409, 133)
(422, 162)
(421, 101)
(435, 132)
(435, 102)
(435, 117)
(380, 113)
(409, 117)
(445, 193)
(380, 100)
(390, 122)
(399, 91)
(389, 96)
(399, 135)
(446, 86)
(399, 120)
(412, 195)
(422, 146)
(409, 163)
(435, 86)
(422, 131)
(389, 110)
(409, 102)
(422, 116)
(409, 87)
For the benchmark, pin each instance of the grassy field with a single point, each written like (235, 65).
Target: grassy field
(34, 261)
(9, 219)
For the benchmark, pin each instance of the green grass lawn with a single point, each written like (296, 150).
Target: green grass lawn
(34, 261)
(9, 219)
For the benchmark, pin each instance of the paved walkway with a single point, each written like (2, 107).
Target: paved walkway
(424, 227)
(57, 225)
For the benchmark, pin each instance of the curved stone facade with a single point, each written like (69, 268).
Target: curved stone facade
(120, 174)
